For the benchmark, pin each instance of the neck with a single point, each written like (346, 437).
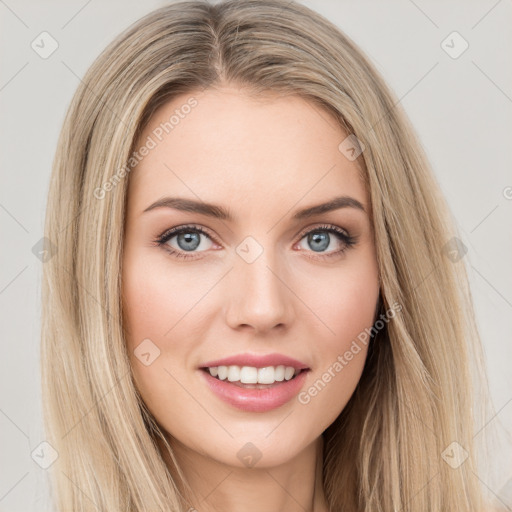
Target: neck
(294, 486)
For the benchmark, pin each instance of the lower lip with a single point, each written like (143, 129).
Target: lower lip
(252, 399)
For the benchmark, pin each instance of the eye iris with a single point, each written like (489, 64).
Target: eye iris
(320, 239)
(188, 238)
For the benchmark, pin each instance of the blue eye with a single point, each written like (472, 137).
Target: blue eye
(188, 239)
(319, 240)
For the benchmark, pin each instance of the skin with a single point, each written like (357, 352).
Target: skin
(262, 158)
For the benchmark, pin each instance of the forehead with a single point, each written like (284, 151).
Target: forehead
(224, 145)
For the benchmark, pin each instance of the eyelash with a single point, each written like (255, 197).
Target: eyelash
(347, 239)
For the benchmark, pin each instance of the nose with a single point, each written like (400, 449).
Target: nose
(258, 295)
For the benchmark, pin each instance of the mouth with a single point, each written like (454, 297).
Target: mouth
(253, 389)
(251, 377)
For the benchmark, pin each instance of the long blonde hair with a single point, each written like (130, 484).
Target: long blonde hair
(387, 449)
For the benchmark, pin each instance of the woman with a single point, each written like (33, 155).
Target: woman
(257, 302)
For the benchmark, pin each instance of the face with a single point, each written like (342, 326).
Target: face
(250, 277)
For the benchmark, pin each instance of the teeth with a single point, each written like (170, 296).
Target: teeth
(223, 372)
(253, 375)
(289, 372)
(249, 375)
(233, 373)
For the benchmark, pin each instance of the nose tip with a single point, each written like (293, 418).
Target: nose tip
(257, 296)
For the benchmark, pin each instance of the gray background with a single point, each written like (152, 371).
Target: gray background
(461, 108)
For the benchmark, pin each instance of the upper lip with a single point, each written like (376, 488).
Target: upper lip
(258, 361)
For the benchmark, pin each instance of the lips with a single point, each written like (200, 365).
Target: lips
(255, 397)
(258, 361)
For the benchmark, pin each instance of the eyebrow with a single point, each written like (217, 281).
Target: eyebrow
(218, 212)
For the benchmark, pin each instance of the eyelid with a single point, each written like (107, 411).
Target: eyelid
(321, 226)
(206, 231)
(168, 233)
(348, 239)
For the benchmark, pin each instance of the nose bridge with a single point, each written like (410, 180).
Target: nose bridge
(257, 293)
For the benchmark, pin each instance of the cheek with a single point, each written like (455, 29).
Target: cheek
(151, 310)
(154, 299)
(347, 310)
(159, 311)
(344, 300)
(351, 308)
(147, 304)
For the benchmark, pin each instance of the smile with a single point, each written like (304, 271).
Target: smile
(253, 375)
(255, 397)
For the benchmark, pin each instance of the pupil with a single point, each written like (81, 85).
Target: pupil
(190, 241)
(320, 240)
